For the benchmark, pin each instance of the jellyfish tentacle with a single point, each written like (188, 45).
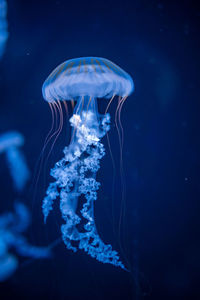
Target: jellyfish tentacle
(75, 177)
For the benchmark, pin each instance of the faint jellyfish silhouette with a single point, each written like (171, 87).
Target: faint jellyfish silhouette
(12, 225)
(8, 265)
(83, 80)
(10, 143)
(3, 26)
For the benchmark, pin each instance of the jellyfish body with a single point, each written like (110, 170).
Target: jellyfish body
(10, 143)
(91, 76)
(83, 80)
(12, 225)
(8, 265)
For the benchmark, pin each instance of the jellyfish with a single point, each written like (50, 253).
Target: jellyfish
(12, 225)
(10, 142)
(83, 80)
(3, 26)
(8, 265)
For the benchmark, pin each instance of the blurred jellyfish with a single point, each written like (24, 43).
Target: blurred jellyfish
(8, 265)
(10, 143)
(11, 227)
(83, 80)
(3, 26)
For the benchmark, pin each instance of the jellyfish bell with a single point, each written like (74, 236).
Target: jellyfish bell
(10, 143)
(90, 76)
(10, 139)
(84, 80)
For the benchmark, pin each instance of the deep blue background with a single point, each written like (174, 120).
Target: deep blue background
(157, 42)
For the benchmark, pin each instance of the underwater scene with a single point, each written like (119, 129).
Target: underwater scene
(99, 150)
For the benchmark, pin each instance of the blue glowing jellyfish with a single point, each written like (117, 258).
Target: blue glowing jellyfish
(12, 225)
(83, 80)
(9, 144)
(3, 26)
(8, 265)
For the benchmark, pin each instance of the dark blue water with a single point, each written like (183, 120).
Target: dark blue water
(157, 43)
